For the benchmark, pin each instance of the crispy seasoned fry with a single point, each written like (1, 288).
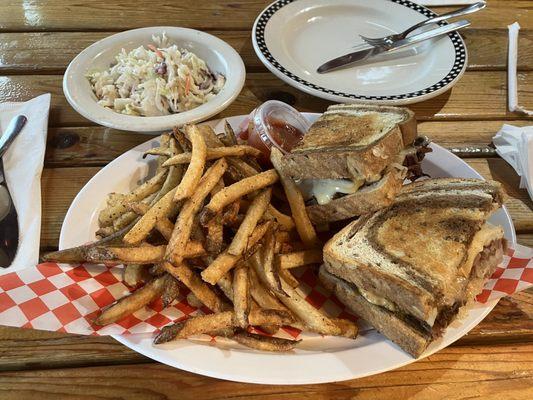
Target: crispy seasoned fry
(170, 292)
(226, 285)
(174, 175)
(231, 193)
(129, 216)
(183, 227)
(114, 198)
(180, 137)
(299, 258)
(242, 168)
(147, 222)
(195, 284)
(285, 222)
(268, 316)
(348, 328)
(135, 274)
(265, 343)
(296, 202)
(209, 135)
(215, 230)
(164, 143)
(241, 296)
(152, 185)
(193, 300)
(133, 302)
(163, 224)
(225, 262)
(104, 231)
(267, 262)
(253, 215)
(157, 270)
(124, 255)
(158, 151)
(229, 217)
(314, 319)
(214, 153)
(194, 172)
(288, 277)
(260, 294)
(195, 326)
(228, 138)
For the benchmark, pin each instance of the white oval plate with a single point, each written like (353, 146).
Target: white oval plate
(316, 359)
(219, 56)
(292, 38)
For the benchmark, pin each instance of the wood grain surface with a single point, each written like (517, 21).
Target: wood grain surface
(38, 38)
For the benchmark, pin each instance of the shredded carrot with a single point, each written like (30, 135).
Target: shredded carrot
(187, 85)
(155, 50)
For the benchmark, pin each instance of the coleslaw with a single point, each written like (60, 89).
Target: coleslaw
(155, 81)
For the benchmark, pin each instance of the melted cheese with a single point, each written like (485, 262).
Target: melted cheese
(323, 190)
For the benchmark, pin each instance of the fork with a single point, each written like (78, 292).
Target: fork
(388, 41)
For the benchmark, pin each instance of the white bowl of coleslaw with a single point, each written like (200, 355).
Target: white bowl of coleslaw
(152, 79)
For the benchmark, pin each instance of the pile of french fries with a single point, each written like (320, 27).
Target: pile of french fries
(206, 222)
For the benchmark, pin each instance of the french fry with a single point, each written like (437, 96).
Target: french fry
(180, 137)
(229, 217)
(264, 264)
(123, 255)
(288, 277)
(209, 135)
(265, 343)
(299, 258)
(164, 142)
(157, 270)
(262, 296)
(152, 185)
(226, 285)
(286, 222)
(214, 153)
(231, 193)
(133, 302)
(225, 261)
(104, 231)
(311, 317)
(129, 216)
(163, 224)
(135, 274)
(158, 151)
(184, 223)
(195, 284)
(114, 198)
(147, 222)
(241, 296)
(174, 175)
(195, 326)
(348, 328)
(228, 138)
(215, 229)
(296, 202)
(170, 292)
(265, 316)
(253, 215)
(194, 172)
(193, 300)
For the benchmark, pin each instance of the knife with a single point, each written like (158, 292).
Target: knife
(9, 228)
(362, 55)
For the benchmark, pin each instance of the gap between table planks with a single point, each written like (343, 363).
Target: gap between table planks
(468, 100)
(51, 52)
(474, 372)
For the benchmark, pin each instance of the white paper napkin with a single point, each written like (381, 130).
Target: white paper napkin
(430, 3)
(515, 145)
(23, 164)
(512, 81)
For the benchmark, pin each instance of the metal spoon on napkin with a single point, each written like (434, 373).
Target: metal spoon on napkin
(9, 228)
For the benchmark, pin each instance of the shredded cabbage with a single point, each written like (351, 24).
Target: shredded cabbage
(155, 81)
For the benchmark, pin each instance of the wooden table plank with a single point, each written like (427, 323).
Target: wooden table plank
(488, 88)
(97, 146)
(22, 349)
(467, 372)
(54, 15)
(51, 52)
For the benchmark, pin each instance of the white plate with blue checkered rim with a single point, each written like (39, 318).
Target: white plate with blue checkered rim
(316, 359)
(293, 37)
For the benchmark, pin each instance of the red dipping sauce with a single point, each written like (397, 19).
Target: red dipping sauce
(274, 123)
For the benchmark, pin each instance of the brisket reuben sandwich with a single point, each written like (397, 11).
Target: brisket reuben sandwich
(407, 269)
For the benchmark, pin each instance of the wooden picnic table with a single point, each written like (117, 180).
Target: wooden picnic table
(38, 38)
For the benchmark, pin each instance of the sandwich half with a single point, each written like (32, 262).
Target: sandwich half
(351, 161)
(409, 268)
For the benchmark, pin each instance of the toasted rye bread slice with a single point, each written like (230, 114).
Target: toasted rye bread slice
(351, 141)
(410, 252)
(367, 199)
(389, 324)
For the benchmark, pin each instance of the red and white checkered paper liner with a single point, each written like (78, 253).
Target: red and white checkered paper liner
(63, 298)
